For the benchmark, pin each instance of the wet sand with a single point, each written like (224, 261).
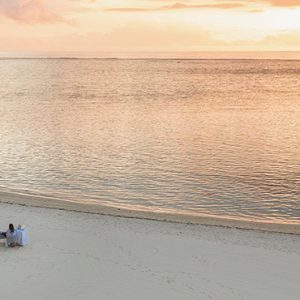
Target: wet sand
(48, 202)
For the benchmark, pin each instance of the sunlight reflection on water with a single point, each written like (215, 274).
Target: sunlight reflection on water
(217, 137)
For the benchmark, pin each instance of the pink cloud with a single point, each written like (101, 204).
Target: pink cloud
(42, 11)
(31, 11)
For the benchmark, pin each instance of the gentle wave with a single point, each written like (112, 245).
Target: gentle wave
(143, 213)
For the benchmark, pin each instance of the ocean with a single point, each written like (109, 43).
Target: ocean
(216, 137)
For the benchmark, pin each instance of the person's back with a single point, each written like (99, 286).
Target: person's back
(11, 236)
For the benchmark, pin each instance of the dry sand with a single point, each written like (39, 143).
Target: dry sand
(76, 255)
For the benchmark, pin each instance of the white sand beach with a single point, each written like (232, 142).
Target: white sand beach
(75, 255)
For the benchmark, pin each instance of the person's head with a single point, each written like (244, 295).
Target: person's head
(11, 227)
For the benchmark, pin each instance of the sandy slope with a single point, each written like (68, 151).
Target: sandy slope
(83, 256)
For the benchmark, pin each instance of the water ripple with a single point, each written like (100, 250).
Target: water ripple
(214, 137)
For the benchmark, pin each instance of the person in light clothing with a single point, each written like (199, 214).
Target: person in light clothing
(15, 237)
(22, 235)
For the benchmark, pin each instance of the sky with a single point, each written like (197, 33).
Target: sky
(149, 25)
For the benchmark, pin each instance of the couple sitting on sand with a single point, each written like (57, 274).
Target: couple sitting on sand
(15, 237)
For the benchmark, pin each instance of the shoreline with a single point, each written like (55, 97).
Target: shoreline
(100, 209)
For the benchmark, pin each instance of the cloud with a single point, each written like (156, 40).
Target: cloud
(276, 3)
(29, 11)
(43, 11)
(177, 6)
(283, 40)
(144, 37)
(251, 6)
(151, 37)
(284, 3)
(287, 40)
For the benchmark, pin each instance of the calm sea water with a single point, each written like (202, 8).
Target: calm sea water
(220, 137)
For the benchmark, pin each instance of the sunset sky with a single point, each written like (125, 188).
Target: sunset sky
(149, 25)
